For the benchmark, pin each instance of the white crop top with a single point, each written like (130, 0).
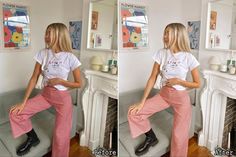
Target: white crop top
(58, 65)
(176, 65)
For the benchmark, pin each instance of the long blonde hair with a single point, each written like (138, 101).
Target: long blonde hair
(59, 37)
(178, 37)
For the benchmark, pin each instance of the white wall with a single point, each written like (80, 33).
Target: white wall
(16, 65)
(72, 11)
(135, 65)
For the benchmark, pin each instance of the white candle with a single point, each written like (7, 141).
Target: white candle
(229, 141)
(223, 68)
(110, 141)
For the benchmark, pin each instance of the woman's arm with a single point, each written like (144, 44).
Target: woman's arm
(195, 84)
(151, 81)
(76, 84)
(32, 82)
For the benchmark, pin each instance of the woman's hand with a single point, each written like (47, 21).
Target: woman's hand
(134, 109)
(173, 81)
(16, 109)
(55, 81)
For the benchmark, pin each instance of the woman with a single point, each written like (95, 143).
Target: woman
(177, 61)
(60, 61)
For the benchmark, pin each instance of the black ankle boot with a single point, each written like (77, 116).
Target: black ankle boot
(150, 140)
(32, 140)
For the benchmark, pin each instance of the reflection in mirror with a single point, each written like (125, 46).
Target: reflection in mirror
(102, 26)
(221, 25)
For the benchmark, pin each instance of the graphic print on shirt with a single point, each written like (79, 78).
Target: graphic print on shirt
(171, 64)
(55, 63)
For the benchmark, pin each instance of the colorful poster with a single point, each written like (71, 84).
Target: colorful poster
(16, 26)
(75, 30)
(134, 26)
(194, 34)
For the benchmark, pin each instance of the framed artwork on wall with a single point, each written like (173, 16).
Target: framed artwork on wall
(134, 26)
(94, 24)
(213, 20)
(75, 29)
(194, 34)
(16, 26)
(97, 40)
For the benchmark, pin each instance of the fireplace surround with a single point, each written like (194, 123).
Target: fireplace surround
(100, 86)
(213, 99)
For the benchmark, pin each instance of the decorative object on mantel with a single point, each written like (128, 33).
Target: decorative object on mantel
(113, 64)
(231, 63)
(16, 26)
(223, 68)
(96, 63)
(214, 63)
(232, 70)
(105, 68)
(114, 70)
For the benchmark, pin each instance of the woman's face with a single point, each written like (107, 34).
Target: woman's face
(166, 36)
(47, 37)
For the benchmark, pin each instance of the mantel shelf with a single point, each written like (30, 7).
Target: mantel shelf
(101, 74)
(220, 74)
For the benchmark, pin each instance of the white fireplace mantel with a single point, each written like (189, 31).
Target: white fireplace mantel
(213, 99)
(100, 86)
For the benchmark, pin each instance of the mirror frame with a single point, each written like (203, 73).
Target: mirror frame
(207, 35)
(89, 29)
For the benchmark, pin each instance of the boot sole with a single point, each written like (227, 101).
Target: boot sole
(144, 152)
(26, 152)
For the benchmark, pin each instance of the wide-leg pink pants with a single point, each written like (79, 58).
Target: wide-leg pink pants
(61, 101)
(180, 101)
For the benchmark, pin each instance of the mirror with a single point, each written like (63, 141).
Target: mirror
(221, 25)
(102, 26)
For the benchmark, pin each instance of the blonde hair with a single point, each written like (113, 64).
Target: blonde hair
(177, 37)
(59, 37)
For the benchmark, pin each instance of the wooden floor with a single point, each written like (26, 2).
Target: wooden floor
(77, 151)
(194, 150)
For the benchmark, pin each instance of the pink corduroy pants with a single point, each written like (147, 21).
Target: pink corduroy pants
(180, 101)
(61, 101)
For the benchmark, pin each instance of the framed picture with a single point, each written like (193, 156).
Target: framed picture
(75, 29)
(194, 34)
(134, 26)
(94, 23)
(16, 26)
(97, 40)
(213, 20)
